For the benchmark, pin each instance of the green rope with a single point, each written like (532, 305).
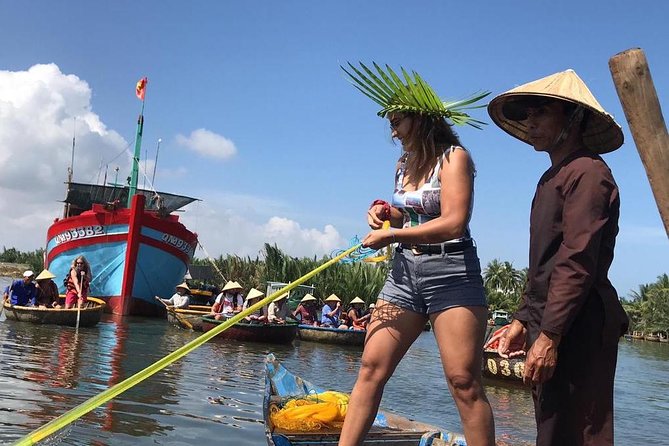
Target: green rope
(92, 403)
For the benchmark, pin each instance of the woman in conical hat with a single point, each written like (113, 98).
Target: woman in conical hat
(47, 290)
(440, 275)
(306, 311)
(570, 315)
(260, 315)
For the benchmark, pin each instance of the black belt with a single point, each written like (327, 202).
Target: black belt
(437, 249)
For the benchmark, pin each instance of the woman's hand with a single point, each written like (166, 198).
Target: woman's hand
(376, 216)
(378, 239)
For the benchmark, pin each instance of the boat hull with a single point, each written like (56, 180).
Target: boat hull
(134, 254)
(266, 333)
(496, 367)
(388, 428)
(331, 335)
(88, 316)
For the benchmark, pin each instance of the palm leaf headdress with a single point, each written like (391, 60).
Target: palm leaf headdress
(411, 95)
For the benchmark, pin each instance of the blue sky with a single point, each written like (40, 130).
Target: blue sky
(257, 120)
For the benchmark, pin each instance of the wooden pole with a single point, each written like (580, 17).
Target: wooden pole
(631, 76)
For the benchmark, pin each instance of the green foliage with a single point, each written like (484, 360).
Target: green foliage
(504, 285)
(345, 280)
(33, 258)
(649, 308)
(410, 95)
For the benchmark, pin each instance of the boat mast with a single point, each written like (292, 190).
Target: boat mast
(140, 91)
(70, 170)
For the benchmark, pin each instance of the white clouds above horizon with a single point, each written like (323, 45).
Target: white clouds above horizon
(208, 144)
(41, 108)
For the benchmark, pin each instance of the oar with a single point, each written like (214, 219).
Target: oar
(176, 315)
(101, 398)
(81, 286)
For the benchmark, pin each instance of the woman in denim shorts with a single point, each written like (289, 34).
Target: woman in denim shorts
(435, 273)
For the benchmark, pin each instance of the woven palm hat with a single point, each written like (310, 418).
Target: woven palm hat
(45, 274)
(332, 298)
(253, 294)
(184, 286)
(308, 298)
(357, 300)
(601, 135)
(231, 286)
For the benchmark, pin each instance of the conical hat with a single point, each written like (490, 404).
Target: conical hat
(253, 293)
(307, 298)
(283, 296)
(184, 286)
(357, 300)
(231, 286)
(601, 135)
(45, 274)
(332, 298)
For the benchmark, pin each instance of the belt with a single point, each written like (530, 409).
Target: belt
(437, 249)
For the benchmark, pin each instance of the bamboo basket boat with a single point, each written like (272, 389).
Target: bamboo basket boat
(328, 335)
(88, 315)
(190, 319)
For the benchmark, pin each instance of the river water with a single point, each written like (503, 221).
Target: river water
(214, 394)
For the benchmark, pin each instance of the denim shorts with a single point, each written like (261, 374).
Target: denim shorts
(429, 283)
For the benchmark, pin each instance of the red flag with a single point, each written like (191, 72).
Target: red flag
(140, 88)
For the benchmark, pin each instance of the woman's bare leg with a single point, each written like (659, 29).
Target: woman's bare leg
(459, 333)
(390, 333)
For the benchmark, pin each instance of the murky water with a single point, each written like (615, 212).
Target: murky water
(215, 393)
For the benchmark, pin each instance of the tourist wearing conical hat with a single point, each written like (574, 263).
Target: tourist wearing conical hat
(47, 290)
(260, 315)
(436, 273)
(180, 299)
(331, 311)
(570, 315)
(306, 311)
(277, 311)
(229, 301)
(355, 316)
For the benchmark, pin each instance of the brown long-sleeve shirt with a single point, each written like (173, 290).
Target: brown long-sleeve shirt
(573, 226)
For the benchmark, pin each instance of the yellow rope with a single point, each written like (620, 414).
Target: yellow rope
(90, 404)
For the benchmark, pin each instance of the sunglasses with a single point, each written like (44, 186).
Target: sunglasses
(396, 122)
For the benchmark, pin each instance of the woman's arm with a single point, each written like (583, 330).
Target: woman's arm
(75, 281)
(456, 194)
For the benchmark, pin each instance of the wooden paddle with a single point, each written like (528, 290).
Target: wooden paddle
(176, 315)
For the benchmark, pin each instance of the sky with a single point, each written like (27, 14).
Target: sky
(256, 119)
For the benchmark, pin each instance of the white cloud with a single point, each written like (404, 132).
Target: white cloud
(208, 144)
(40, 109)
(228, 232)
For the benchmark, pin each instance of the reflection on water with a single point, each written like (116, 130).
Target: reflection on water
(215, 393)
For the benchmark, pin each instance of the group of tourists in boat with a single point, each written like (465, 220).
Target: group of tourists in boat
(42, 291)
(232, 300)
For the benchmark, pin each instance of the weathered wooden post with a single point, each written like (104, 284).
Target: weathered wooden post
(636, 91)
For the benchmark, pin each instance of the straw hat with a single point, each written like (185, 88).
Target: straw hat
(184, 286)
(357, 300)
(601, 135)
(253, 294)
(332, 298)
(308, 298)
(231, 286)
(283, 296)
(45, 274)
